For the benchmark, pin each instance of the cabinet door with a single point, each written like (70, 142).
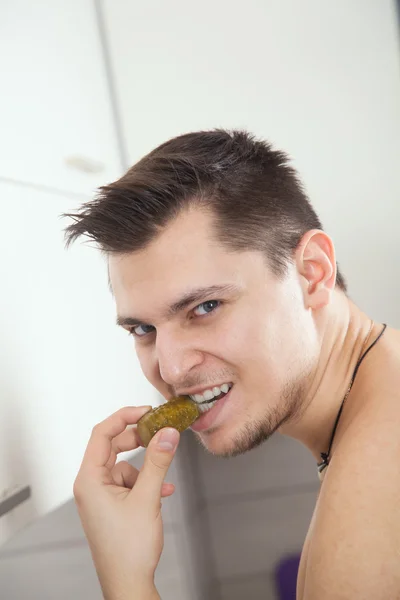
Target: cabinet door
(64, 364)
(55, 111)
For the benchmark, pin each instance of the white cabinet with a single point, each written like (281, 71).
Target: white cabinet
(64, 364)
(56, 119)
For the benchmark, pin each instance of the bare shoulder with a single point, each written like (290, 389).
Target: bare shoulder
(354, 546)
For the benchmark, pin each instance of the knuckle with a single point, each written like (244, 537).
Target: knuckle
(159, 461)
(96, 428)
(123, 465)
(77, 491)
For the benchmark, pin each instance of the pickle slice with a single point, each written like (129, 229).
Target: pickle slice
(180, 412)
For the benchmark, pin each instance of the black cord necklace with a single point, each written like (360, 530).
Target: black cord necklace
(326, 455)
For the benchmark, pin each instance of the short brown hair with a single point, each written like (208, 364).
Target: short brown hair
(254, 195)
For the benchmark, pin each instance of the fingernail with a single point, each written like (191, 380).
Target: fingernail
(168, 438)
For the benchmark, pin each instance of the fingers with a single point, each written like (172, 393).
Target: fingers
(125, 475)
(127, 440)
(158, 457)
(167, 490)
(100, 445)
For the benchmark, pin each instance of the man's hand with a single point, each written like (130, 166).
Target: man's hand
(120, 507)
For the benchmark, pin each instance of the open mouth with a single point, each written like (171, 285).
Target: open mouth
(212, 393)
(206, 405)
(211, 410)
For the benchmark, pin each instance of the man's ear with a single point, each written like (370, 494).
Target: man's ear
(316, 263)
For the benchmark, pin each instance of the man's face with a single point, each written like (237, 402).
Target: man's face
(253, 335)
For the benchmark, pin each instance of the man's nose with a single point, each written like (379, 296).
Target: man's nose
(177, 356)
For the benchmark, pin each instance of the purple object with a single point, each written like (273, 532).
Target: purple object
(286, 577)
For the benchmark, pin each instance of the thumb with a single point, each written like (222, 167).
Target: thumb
(158, 457)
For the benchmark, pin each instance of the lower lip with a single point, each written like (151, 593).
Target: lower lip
(208, 418)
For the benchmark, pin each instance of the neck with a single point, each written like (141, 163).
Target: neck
(345, 333)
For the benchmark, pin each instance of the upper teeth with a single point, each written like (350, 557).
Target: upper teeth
(208, 395)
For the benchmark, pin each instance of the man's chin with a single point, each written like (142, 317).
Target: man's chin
(234, 437)
(217, 449)
(229, 445)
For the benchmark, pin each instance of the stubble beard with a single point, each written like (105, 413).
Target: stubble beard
(253, 433)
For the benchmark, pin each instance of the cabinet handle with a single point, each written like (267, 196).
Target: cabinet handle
(86, 165)
(10, 502)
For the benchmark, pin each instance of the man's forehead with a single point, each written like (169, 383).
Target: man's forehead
(193, 265)
(172, 277)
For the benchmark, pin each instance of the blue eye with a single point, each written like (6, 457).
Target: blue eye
(134, 330)
(141, 330)
(210, 304)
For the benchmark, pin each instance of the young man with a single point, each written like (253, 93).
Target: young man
(222, 273)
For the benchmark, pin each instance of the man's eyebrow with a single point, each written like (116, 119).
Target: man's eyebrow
(190, 297)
